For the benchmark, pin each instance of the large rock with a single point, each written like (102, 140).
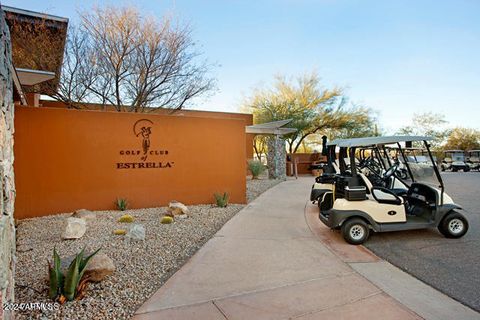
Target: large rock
(84, 214)
(75, 228)
(178, 208)
(97, 269)
(136, 232)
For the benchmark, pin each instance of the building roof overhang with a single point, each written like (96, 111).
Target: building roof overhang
(38, 43)
(274, 127)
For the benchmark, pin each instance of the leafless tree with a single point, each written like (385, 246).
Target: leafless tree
(77, 74)
(140, 64)
(116, 57)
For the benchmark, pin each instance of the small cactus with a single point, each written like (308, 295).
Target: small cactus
(119, 232)
(166, 220)
(126, 218)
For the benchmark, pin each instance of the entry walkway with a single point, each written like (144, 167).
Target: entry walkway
(273, 261)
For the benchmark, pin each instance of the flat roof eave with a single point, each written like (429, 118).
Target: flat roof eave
(34, 14)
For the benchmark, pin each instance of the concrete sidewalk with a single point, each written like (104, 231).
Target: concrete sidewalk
(274, 260)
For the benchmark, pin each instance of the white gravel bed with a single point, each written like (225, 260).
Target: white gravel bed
(142, 267)
(258, 186)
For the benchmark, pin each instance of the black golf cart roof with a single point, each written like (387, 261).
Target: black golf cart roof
(369, 141)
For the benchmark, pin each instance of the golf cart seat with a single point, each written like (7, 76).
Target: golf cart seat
(326, 178)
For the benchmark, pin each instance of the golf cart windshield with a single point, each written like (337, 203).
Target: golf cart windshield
(457, 157)
(423, 171)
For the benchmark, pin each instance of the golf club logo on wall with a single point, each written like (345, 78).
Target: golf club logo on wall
(143, 128)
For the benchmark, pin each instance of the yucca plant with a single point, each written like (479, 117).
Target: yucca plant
(71, 285)
(256, 168)
(221, 199)
(122, 204)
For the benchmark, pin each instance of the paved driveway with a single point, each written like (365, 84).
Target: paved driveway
(450, 265)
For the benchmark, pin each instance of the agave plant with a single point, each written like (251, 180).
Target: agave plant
(71, 285)
(122, 204)
(221, 199)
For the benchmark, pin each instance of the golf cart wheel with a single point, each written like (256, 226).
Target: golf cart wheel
(454, 225)
(466, 169)
(355, 231)
(454, 169)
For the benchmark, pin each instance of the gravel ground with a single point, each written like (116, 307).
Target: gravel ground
(258, 186)
(142, 267)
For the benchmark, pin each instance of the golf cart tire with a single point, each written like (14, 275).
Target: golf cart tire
(353, 227)
(466, 169)
(444, 228)
(454, 169)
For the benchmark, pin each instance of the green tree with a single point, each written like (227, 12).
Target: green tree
(428, 124)
(362, 123)
(463, 139)
(312, 108)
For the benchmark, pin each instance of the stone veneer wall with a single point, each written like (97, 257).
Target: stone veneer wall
(7, 185)
(276, 158)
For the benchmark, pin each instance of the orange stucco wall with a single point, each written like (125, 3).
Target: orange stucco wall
(248, 118)
(67, 160)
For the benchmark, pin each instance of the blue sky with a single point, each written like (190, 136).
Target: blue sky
(398, 57)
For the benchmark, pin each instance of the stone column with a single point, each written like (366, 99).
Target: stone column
(7, 186)
(276, 158)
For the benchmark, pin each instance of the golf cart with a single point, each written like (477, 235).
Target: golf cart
(372, 162)
(419, 203)
(473, 159)
(326, 181)
(454, 160)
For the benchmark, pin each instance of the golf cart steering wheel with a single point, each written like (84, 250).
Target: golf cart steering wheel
(390, 172)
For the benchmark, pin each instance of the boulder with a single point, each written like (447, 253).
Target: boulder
(136, 232)
(84, 214)
(97, 269)
(178, 208)
(75, 228)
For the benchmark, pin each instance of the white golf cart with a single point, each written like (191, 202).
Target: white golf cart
(356, 206)
(473, 159)
(454, 160)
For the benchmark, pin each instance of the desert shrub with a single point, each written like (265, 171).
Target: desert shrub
(122, 204)
(256, 168)
(126, 218)
(119, 232)
(221, 199)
